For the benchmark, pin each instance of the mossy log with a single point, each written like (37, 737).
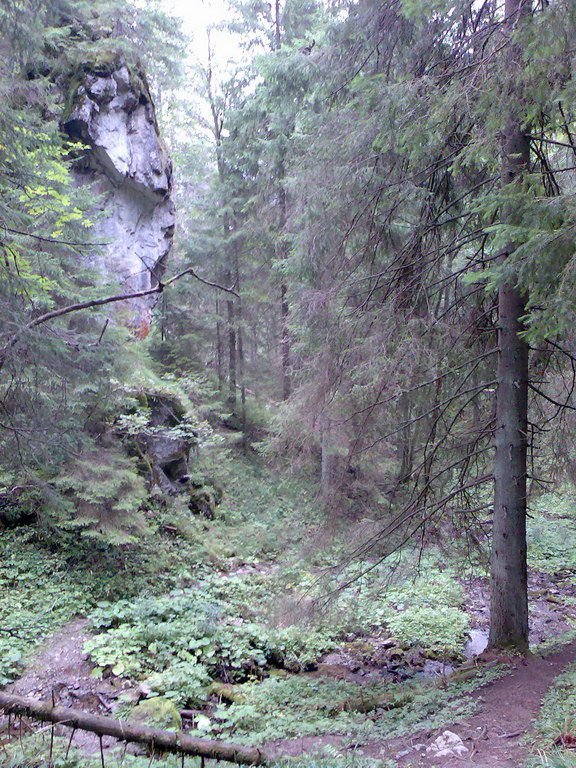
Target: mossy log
(156, 739)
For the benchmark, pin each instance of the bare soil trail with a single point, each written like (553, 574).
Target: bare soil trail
(59, 671)
(508, 706)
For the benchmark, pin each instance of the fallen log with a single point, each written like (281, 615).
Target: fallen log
(154, 738)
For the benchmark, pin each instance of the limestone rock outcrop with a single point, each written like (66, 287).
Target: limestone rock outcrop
(128, 168)
(162, 443)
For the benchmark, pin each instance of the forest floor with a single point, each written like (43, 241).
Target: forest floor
(493, 737)
(96, 632)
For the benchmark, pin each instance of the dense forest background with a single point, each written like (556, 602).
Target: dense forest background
(338, 416)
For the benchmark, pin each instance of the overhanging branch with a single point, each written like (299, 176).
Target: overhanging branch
(41, 319)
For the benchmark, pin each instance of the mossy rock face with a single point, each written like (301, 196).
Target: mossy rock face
(279, 673)
(166, 410)
(204, 498)
(157, 713)
(363, 704)
(361, 648)
(228, 692)
(231, 421)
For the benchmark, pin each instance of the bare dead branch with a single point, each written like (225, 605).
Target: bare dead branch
(427, 383)
(477, 388)
(550, 399)
(55, 240)
(102, 302)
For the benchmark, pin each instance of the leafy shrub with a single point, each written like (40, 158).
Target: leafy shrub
(436, 628)
(421, 610)
(284, 708)
(206, 631)
(183, 681)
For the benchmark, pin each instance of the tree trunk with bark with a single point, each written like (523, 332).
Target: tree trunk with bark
(219, 356)
(228, 225)
(240, 347)
(509, 598)
(231, 334)
(282, 250)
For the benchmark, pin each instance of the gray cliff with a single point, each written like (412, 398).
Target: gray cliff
(128, 167)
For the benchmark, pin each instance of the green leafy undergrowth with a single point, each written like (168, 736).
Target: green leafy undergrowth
(419, 608)
(328, 756)
(48, 577)
(551, 525)
(33, 751)
(556, 723)
(426, 611)
(265, 514)
(212, 630)
(262, 516)
(433, 705)
(37, 596)
(303, 706)
(555, 759)
(217, 629)
(296, 706)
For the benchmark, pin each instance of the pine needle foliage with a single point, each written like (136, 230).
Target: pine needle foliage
(59, 380)
(103, 495)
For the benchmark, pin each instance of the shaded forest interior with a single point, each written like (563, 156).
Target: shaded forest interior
(287, 373)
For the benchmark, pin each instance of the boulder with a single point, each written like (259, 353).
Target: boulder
(448, 744)
(157, 712)
(164, 443)
(203, 500)
(230, 693)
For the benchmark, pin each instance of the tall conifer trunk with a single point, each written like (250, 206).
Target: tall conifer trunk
(284, 307)
(228, 225)
(231, 334)
(219, 362)
(509, 599)
(282, 252)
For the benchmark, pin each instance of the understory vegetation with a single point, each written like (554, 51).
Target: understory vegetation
(267, 636)
(287, 377)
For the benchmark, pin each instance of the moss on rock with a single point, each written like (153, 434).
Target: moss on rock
(157, 713)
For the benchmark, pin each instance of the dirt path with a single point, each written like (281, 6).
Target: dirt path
(493, 736)
(58, 667)
(60, 671)
(490, 739)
